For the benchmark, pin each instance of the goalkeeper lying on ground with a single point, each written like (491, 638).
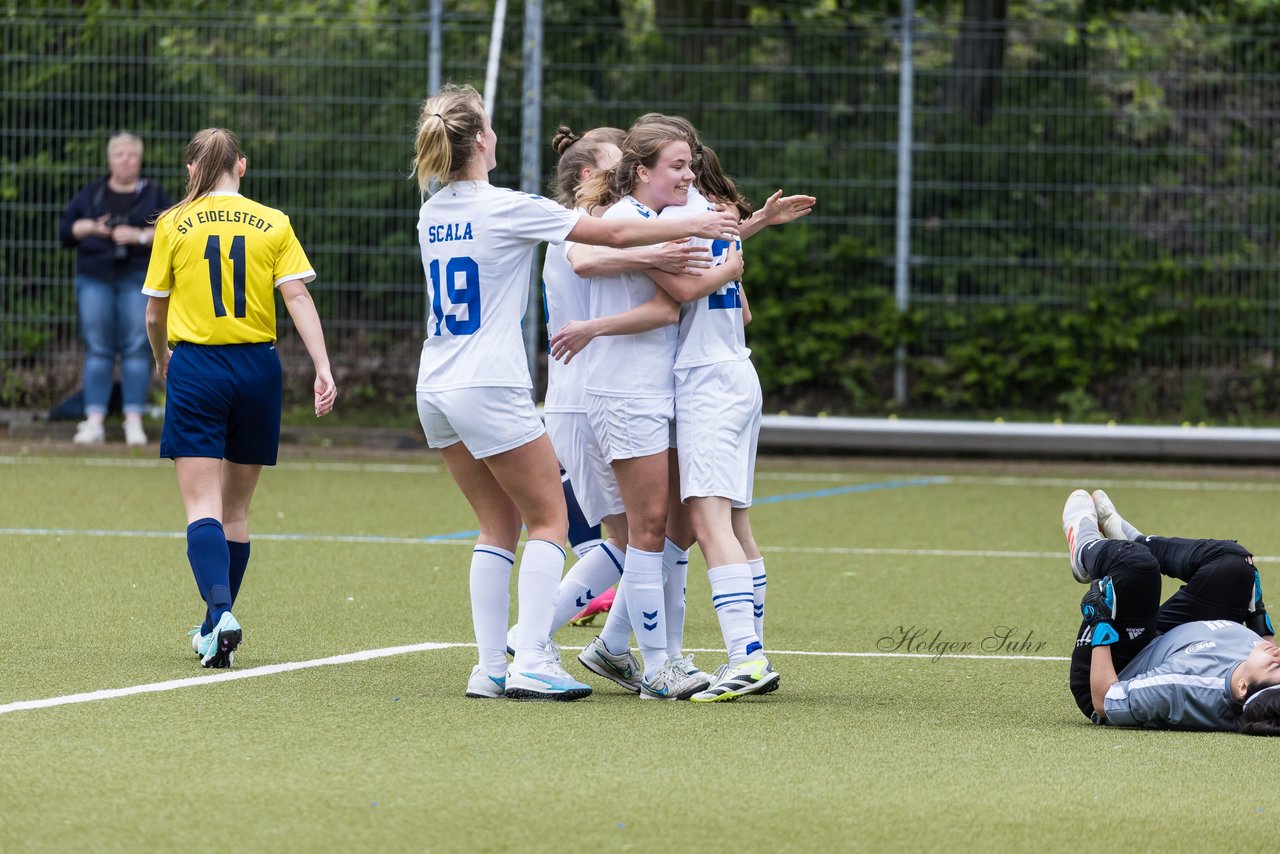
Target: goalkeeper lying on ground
(1188, 663)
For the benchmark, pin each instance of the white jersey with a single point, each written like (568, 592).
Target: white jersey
(564, 299)
(629, 365)
(477, 242)
(711, 328)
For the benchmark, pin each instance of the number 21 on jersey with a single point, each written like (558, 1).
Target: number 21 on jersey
(461, 285)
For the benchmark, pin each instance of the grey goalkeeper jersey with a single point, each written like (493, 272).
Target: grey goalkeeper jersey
(1182, 679)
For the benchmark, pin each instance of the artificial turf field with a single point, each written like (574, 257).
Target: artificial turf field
(870, 744)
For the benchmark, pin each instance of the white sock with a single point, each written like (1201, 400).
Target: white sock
(585, 547)
(596, 572)
(757, 587)
(642, 579)
(536, 586)
(616, 634)
(675, 569)
(731, 595)
(491, 604)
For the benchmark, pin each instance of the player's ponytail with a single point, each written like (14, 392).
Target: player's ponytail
(211, 154)
(448, 127)
(718, 186)
(576, 154)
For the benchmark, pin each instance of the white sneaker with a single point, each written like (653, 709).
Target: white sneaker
(549, 682)
(623, 668)
(670, 683)
(753, 676)
(1109, 519)
(134, 435)
(483, 686)
(686, 664)
(90, 433)
(1079, 506)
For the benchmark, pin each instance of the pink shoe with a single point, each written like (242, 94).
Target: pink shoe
(599, 605)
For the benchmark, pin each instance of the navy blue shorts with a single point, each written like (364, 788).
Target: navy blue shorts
(223, 402)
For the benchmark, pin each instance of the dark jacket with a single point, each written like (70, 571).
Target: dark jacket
(96, 256)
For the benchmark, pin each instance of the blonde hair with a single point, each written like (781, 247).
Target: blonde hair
(446, 135)
(213, 152)
(578, 153)
(642, 147)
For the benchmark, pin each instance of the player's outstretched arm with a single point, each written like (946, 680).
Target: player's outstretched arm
(662, 310)
(621, 233)
(746, 307)
(676, 256)
(297, 299)
(689, 288)
(777, 210)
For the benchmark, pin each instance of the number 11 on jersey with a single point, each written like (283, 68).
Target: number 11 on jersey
(213, 254)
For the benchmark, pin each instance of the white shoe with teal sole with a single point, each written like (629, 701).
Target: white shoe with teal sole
(217, 648)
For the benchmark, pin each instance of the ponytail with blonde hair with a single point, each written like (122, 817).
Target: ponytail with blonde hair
(212, 153)
(448, 128)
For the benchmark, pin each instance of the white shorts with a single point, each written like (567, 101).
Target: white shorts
(631, 427)
(718, 410)
(487, 420)
(589, 473)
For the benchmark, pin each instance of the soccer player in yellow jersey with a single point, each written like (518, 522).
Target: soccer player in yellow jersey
(211, 321)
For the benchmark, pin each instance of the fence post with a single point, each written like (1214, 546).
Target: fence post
(902, 242)
(531, 164)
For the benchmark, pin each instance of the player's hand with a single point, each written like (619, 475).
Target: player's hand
(162, 363)
(717, 224)
(1099, 610)
(733, 260)
(571, 339)
(326, 392)
(679, 256)
(779, 209)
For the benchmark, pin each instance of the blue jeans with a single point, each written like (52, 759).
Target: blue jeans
(113, 319)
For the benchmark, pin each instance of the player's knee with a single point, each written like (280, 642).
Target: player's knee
(1136, 559)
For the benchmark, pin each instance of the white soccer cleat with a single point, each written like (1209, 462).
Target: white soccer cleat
(686, 664)
(670, 683)
(1109, 519)
(482, 686)
(1079, 506)
(621, 668)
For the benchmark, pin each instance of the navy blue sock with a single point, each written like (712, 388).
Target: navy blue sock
(210, 563)
(239, 553)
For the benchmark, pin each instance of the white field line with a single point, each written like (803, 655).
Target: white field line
(298, 465)
(800, 477)
(443, 540)
(371, 654)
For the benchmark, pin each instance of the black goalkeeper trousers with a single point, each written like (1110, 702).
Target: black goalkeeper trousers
(1218, 585)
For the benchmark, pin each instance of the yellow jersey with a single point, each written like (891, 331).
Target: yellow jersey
(219, 261)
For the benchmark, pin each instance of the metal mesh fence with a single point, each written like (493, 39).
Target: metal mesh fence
(1122, 174)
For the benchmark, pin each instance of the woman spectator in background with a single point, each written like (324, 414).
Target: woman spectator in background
(109, 224)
